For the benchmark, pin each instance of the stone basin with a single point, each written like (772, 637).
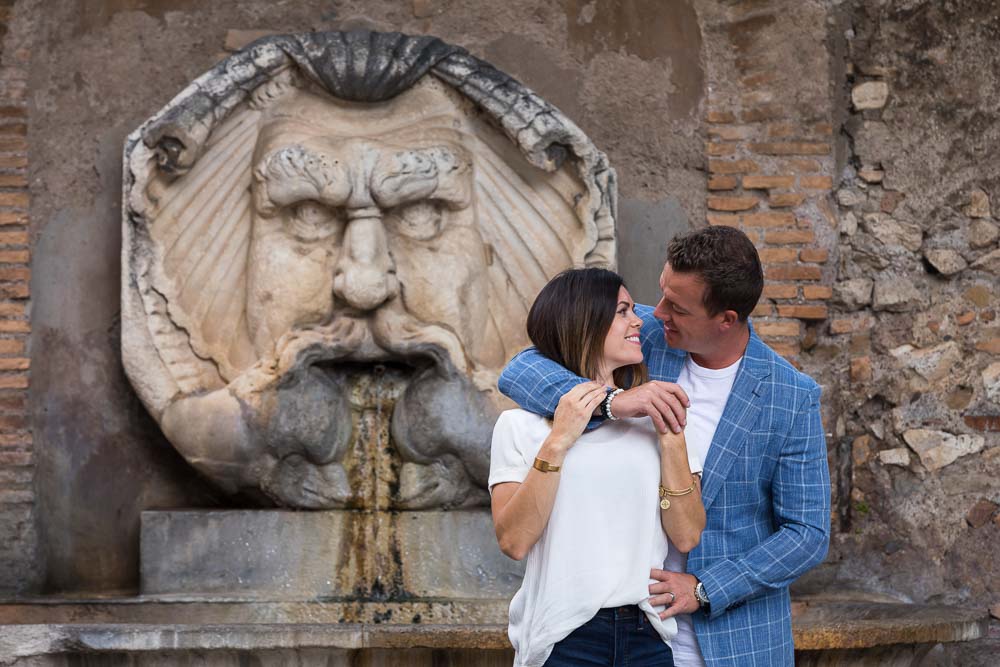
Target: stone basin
(150, 631)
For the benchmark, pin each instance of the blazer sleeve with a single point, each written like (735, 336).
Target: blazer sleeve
(801, 507)
(536, 383)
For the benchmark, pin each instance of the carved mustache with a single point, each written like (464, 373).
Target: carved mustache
(389, 332)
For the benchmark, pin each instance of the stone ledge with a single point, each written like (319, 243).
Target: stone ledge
(19, 641)
(817, 625)
(842, 625)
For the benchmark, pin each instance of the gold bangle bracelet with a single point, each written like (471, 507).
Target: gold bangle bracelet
(664, 491)
(544, 466)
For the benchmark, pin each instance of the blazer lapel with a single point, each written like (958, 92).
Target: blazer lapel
(738, 419)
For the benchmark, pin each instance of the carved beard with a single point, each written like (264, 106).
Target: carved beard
(441, 424)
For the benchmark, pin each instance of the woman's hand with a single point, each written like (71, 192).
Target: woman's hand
(574, 412)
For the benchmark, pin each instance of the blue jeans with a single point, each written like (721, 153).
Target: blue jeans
(618, 637)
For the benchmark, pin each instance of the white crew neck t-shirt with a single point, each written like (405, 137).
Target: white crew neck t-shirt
(709, 391)
(603, 534)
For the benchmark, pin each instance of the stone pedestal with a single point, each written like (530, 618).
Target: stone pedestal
(335, 555)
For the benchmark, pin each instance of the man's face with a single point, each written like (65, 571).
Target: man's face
(687, 324)
(346, 225)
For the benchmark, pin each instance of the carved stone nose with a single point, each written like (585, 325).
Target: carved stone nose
(365, 276)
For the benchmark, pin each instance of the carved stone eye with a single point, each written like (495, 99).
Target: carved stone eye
(312, 221)
(421, 220)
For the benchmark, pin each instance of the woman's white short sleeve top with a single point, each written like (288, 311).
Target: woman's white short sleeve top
(603, 535)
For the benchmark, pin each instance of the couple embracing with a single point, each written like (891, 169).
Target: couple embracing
(667, 478)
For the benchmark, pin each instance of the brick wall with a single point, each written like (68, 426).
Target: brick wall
(17, 529)
(770, 165)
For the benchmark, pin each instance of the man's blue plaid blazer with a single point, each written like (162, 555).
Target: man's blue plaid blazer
(766, 489)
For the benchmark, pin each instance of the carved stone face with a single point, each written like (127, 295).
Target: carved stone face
(355, 211)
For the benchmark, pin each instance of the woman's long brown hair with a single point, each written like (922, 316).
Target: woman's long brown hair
(570, 319)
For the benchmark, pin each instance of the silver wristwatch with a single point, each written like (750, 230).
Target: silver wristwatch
(702, 597)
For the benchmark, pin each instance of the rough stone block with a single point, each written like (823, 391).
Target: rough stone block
(892, 232)
(861, 450)
(989, 263)
(861, 370)
(981, 513)
(933, 363)
(979, 204)
(283, 555)
(938, 449)
(947, 261)
(896, 293)
(899, 456)
(871, 175)
(979, 295)
(870, 95)
(991, 381)
(983, 233)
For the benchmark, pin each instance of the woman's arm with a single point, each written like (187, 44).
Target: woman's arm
(521, 510)
(684, 520)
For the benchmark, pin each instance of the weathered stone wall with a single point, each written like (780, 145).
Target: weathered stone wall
(913, 338)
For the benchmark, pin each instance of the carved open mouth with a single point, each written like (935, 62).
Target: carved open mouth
(389, 335)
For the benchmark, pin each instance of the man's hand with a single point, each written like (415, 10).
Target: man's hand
(676, 590)
(664, 402)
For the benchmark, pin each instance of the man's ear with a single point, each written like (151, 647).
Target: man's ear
(728, 319)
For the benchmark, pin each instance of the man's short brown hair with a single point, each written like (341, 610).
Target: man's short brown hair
(727, 262)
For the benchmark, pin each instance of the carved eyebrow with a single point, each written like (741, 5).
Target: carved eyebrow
(295, 173)
(404, 176)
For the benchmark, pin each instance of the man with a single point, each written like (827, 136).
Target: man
(753, 419)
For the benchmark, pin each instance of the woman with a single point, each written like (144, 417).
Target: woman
(591, 511)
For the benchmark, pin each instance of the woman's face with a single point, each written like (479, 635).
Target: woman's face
(621, 347)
